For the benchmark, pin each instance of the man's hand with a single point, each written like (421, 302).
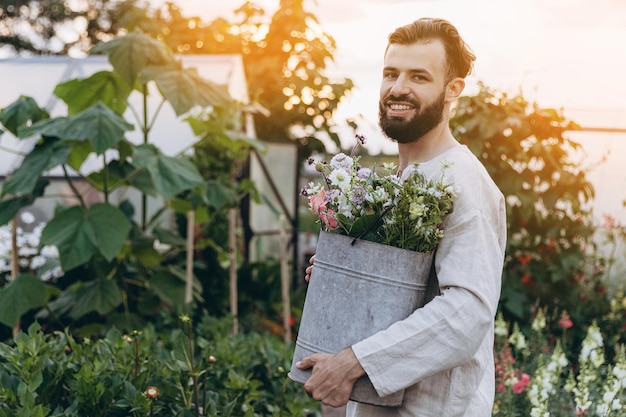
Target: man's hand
(332, 377)
(309, 269)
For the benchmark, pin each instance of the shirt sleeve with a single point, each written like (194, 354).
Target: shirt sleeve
(449, 330)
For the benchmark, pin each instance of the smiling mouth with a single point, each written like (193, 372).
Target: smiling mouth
(400, 107)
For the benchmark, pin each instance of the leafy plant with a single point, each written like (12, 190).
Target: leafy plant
(526, 150)
(108, 249)
(181, 372)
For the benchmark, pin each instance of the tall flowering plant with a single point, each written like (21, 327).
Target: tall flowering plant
(380, 206)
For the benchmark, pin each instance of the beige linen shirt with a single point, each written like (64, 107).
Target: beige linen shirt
(442, 355)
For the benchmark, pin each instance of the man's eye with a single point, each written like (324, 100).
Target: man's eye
(390, 75)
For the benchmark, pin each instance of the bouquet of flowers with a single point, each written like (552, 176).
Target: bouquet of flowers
(359, 202)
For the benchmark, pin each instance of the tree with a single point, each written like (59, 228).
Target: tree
(526, 150)
(57, 27)
(285, 59)
(285, 56)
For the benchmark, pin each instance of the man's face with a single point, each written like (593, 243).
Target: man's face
(412, 93)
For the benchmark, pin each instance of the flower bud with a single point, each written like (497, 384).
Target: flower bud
(152, 392)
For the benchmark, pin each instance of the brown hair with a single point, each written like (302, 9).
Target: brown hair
(459, 57)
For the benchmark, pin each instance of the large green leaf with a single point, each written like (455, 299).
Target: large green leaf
(79, 233)
(46, 155)
(100, 295)
(20, 112)
(169, 288)
(184, 88)
(104, 86)
(24, 293)
(170, 176)
(131, 53)
(10, 207)
(98, 124)
(80, 152)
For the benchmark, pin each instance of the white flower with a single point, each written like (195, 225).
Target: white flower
(379, 195)
(50, 252)
(340, 179)
(341, 161)
(27, 217)
(37, 262)
(616, 404)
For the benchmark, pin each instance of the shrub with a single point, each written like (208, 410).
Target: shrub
(182, 372)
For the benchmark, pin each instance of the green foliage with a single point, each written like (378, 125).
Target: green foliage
(526, 150)
(107, 254)
(204, 371)
(20, 295)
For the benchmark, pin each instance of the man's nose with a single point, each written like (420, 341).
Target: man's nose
(400, 87)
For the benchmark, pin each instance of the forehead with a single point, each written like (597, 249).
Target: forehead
(430, 56)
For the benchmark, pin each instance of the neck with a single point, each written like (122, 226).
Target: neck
(429, 146)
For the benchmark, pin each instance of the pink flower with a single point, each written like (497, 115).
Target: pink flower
(318, 202)
(609, 221)
(522, 383)
(565, 321)
(329, 219)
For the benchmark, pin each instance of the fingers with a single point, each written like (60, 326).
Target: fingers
(309, 269)
(304, 364)
(307, 362)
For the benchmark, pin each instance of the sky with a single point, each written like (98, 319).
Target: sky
(564, 54)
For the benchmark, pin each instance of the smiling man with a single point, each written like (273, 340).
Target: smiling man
(442, 354)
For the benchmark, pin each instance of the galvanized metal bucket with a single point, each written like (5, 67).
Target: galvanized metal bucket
(354, 292)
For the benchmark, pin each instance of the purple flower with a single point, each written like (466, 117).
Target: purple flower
(357, 196)
(363, 173)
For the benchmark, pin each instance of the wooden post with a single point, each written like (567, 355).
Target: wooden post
(190, 252)
(15, 265)
(232, 236)
(285, 278)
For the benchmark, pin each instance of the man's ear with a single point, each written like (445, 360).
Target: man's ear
(454, 89)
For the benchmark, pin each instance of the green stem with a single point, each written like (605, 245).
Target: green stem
(72, 186)
(137, 358)
(193, 371)
(105, 179)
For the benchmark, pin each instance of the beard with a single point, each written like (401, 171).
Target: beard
(409, 131)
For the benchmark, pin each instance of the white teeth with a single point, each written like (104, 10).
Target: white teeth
(399, 107)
